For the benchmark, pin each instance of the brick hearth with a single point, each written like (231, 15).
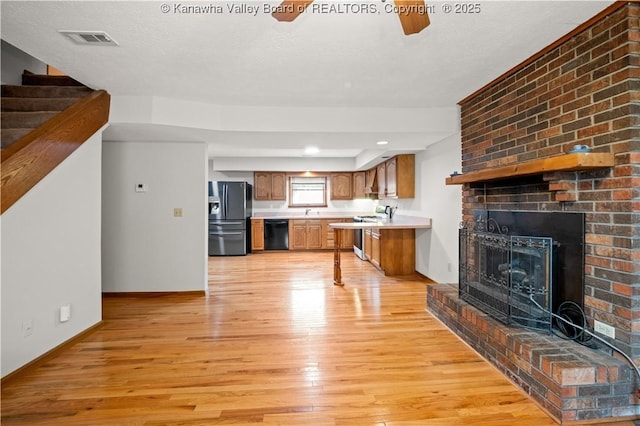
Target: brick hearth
(584, 89)
(570, 381)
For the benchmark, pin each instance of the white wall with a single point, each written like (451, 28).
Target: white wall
(144, 247)
(437, 249)
(15, 61)
(51, 257)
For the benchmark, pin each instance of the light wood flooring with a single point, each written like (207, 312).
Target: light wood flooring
(274, 342)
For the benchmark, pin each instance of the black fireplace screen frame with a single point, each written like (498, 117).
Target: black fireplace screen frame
(500, 273)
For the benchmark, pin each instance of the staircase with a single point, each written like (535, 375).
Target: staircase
(42, 122)
(39, 99)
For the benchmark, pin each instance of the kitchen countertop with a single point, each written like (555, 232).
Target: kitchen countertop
(397, 222)
(301, 215)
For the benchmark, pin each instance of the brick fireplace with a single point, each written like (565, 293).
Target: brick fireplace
(582, 90)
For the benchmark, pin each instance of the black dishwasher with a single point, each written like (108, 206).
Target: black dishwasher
(276, 234)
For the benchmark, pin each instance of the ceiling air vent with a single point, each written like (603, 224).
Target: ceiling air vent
(97, 38)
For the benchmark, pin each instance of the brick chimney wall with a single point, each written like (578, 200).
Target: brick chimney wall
(583, 91)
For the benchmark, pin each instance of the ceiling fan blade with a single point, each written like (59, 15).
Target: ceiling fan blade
(289, 10)
(413, 15)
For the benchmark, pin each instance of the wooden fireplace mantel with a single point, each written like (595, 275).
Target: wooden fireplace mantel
(562, 163)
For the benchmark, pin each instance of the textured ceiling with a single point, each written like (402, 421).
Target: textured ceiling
(346, 60)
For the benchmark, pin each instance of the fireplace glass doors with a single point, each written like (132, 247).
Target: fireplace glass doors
(501, 274)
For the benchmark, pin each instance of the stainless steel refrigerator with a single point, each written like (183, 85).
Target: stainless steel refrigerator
(229, 218)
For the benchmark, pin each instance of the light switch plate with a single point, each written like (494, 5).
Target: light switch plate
(142, 187)
(177, 212)
(65, 313)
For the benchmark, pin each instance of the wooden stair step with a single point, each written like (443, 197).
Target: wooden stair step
(36, 104)
(31, 79)
(9, 136)
(21, 120)
(44, 91)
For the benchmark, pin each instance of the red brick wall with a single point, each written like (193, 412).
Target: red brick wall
(584, 91)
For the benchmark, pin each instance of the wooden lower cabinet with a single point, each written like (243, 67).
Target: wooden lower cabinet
(393, 251)
(329, 235)
(367, 244)
(305, 234)
(375, 249)
(316, 234)
(257, 234)
(297, 234)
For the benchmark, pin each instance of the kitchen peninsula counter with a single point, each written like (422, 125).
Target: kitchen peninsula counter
(398, 222)
(397, 243)
(301, 215)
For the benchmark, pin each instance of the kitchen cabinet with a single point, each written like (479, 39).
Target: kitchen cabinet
(305, 234)
(368, 252)
(347, 235)
(400, 176)
(381, 173)
(270, 186)
(371, 182)
(375, 249)
(316, 234)
(396, 177)
(328, 234)
(393, 251)
(347, 238)
(257, 234)
(359, 183)
(341, 186)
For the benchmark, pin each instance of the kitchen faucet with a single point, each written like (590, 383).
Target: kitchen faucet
(390, 211)
(306, 212)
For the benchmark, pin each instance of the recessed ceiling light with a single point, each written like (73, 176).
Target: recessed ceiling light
(382, 142)
(311, 150)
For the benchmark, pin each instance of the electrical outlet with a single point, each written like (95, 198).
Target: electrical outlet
(27, 328)
(605, 329)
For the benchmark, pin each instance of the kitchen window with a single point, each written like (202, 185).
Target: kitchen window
(307, 191)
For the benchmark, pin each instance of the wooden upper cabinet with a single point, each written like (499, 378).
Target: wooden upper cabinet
(262, 186)
(270, 186)
(381, 173)
(278, 186)
(396, 177)
(341, 187)
(391, 170)
(401, 176)
(359, 183)
(371, 182)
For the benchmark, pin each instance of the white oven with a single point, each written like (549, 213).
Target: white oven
(358, 239)
(358, 234)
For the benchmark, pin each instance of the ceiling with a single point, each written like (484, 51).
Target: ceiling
(320, 70)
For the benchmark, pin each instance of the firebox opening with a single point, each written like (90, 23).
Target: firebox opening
(508, 257)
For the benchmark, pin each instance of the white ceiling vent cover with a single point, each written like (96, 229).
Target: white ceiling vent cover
(96, 38)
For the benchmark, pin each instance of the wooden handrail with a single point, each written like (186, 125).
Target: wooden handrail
(30, 159)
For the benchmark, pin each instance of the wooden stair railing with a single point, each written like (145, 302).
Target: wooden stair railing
(30, 159)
